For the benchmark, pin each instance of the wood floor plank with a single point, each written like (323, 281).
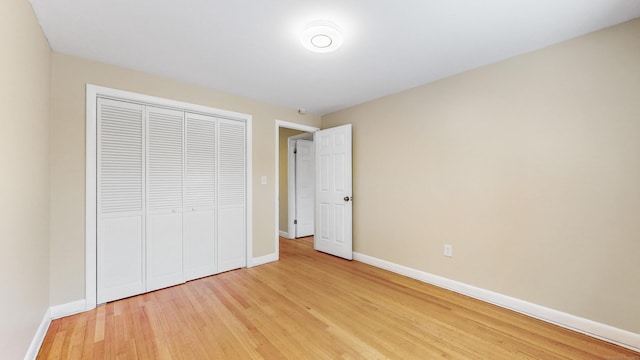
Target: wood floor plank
(311, 305)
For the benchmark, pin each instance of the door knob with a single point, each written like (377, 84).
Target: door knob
(348, 198)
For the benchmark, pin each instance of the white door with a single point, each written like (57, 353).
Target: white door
(231, 194)
(199, 216)
(120, 201)
(164, 198)
(171, 197)
(304, 188)
(333, 191)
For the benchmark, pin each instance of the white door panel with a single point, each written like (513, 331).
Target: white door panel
(231, 252)
(333, 191)
(120, 268)
(200, 161)
(323, 229)
(304, 188)
(200, 255)
(120, 200)
(164, 249)
(164, 197)
(199, 243)
(231, 195)
(339, 220)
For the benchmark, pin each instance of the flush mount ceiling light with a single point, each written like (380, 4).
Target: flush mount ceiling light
(322, 37)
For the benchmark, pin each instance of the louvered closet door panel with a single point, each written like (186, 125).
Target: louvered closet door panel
(200, 195)
(120, 201)
(164, 197)
(231, 194)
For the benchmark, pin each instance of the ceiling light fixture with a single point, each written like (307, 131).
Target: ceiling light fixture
(322, 37)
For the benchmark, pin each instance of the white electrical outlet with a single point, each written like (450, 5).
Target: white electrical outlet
(263, 180)
(448, 250)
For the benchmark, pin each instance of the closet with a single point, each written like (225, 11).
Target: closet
(171, 197)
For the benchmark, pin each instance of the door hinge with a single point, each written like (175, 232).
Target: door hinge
(295, 222)
(295, 151)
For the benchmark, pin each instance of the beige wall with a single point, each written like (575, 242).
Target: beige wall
(25, 76)
(283, 164)
(529, 167)
(70, 74)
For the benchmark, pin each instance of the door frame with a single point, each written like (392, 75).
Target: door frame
(92, 92)
(294, 126)
(291, 183)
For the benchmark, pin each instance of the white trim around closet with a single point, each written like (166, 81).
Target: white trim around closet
(92, 92)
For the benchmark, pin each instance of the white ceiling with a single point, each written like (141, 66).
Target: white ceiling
(252, 47)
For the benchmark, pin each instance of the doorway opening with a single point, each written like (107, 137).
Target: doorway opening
(297, 189)
(283, 131)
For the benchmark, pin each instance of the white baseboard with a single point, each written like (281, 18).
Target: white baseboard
(262, 260)
(67, 309)
(284, 234)
(601, 331)
(38, 338)
(54, 312)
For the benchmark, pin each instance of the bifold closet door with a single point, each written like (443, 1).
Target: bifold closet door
(171, 197)
(164, 197)
(200, 196)
(120, 200)
(231, 194)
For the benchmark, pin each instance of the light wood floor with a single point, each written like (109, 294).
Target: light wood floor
(312, 306)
